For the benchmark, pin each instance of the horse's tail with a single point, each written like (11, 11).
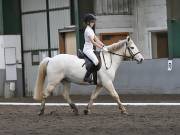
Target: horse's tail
(39, 86)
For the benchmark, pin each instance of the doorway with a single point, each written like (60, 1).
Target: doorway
(67, 40)
(159, 42)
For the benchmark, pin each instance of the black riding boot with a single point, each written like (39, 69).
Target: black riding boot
(88, 76)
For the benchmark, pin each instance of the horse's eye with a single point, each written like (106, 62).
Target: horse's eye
(132, 47)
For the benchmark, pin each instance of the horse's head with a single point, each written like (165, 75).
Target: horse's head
(127, 49)
(132, 51)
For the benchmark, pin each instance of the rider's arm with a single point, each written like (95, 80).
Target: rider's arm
(98, 41)
(99, 45)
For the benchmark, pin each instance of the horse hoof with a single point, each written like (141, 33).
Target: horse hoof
(86, 112)
(40, 113)
(74, 108)
(124, 112)
(76, 112)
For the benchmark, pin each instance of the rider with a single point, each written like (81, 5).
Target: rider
(90, 40)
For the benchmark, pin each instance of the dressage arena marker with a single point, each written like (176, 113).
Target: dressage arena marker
(85, 104)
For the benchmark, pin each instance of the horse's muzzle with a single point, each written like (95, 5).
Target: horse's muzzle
(140, 61)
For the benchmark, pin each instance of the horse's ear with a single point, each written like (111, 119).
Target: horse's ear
(128, 38)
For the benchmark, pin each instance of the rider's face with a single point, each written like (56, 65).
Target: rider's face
(92, 23)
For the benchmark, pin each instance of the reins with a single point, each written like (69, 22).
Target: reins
(107, 68)
(120, 55)
(105, 61)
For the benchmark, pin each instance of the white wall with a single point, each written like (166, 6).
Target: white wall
(31, 5)
(56, 22)
(10, 41)
(148, 16)
(35, 34)
(114, 23)
(2, 66)
(34, 28)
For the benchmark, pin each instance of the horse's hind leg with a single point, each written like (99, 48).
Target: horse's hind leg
(48, 91)
(110, 87)
(94, 95)
(66, 96)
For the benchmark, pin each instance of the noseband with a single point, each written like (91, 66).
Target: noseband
(120, 55)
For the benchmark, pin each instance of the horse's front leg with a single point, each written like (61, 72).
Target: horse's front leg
(94, 95)
(110, 87)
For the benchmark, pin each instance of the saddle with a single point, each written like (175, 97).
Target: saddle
(88, 63)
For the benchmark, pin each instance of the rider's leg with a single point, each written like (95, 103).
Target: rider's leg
(88, 77)
(90, 54)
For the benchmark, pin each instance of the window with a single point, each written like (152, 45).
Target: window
(113, 7)
(35, 58)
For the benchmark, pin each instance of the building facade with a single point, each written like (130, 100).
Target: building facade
(34, 29)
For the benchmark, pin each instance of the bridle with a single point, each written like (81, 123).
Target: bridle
(130, 52)
(120, 55)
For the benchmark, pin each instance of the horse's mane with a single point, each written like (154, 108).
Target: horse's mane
(116, 46)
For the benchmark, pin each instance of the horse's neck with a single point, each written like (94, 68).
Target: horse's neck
(116, 60)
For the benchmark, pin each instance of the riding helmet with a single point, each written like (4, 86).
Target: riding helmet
(89, 17)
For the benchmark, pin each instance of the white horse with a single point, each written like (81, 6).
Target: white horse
(67, 68)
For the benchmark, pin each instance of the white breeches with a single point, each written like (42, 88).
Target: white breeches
(90, 54)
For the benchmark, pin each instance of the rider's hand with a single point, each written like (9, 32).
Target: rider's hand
(105, 49)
